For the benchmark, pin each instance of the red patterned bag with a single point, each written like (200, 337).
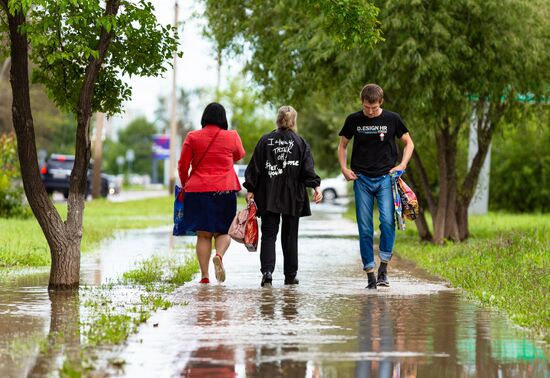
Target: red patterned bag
(251, 229)
(408, 200)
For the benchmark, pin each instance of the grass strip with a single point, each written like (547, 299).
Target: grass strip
(505, 264)
(22, 243)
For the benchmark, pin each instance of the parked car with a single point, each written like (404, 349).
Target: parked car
(239, 170)
(115, 184)
(335, 187)
(56, 172)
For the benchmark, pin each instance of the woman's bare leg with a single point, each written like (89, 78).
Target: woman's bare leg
(222, 243)
(204, 250)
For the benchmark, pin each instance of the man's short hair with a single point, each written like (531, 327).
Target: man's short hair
(372, 93)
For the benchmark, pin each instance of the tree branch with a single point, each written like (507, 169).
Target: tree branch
(84, 112)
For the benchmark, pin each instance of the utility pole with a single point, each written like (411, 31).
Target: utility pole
(173, 120)
(98, 155)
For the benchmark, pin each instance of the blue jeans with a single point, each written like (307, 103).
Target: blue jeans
(366, 189)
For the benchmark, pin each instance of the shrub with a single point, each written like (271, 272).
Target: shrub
(12, 199)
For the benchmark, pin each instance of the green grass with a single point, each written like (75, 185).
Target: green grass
(147, 272)
(22, 243)
(168, 272)
(504, 264)
(113, 318)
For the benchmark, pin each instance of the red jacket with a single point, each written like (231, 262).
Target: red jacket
(215, 172)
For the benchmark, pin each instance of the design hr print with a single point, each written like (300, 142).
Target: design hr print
(380, 130)
(281, 148)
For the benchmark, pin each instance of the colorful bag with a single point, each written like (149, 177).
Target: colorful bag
(251, 229)
(408, 200)
(178, 214)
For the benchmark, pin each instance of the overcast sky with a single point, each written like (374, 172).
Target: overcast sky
(196, 69)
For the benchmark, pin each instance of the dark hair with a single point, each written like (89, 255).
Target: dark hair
(214, 114)
(372, 93)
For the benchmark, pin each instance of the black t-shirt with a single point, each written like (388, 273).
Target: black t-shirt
(374, 150)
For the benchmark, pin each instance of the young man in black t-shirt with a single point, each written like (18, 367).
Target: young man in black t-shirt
(373, 158)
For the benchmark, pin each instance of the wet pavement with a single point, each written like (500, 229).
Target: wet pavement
(327, 326)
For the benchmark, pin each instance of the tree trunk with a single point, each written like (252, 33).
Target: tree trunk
(425, 184)
(462, 220)
(451, 227)
(439, 220)
(421, 224)
(488, 117)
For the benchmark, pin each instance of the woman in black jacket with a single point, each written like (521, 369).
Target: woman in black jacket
(276, 179)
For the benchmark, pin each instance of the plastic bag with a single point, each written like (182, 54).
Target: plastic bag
(251, 229)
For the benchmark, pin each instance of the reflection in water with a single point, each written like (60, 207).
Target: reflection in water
(375, 335)
(63, 341)
(218, 361)
(221, 360)
(273, 306)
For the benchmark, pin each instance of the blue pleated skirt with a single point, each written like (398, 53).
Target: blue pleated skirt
(209, 211)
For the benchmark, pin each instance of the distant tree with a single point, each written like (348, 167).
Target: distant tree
(520, 163)
(138, 136)
(80, 51)
(250, 116)
(55, 131)
(183, 112)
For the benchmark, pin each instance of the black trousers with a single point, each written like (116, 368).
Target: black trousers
(289, 242)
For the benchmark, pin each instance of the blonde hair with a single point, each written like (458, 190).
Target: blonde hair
(286, 118)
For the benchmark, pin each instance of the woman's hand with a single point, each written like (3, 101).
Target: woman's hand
(317, 195)
(249, 197)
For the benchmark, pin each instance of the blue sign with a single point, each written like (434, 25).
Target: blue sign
(161, 147)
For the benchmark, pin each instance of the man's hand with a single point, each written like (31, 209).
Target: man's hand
(249, 197)
(399, 167)
(317, 195)
(349, 174)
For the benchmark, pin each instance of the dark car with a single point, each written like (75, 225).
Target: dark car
(56, 173)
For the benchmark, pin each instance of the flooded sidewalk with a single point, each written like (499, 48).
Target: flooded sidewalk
(327, 326)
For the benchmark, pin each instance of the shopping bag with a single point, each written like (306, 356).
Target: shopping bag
(178, 229)
(238, 225)
(251, 229)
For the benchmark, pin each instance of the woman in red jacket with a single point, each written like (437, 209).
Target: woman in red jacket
(210, 201)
